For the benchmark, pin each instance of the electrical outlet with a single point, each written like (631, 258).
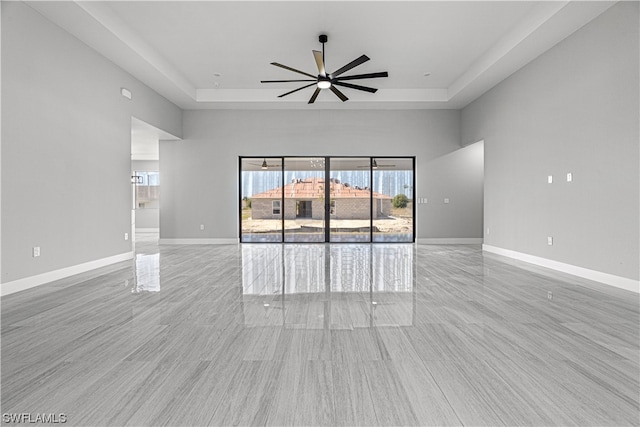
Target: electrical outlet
(36, 251)
(201, 226)
(569, 177)
(126, 236)
(549, 295)
(446, 200)
(550, 241)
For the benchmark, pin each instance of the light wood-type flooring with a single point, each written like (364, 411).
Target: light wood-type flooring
(320, 335)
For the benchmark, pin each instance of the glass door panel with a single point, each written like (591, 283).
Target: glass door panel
(327, 199)
(393, 185)
(261, 199)
(350, 199)
(304, 199)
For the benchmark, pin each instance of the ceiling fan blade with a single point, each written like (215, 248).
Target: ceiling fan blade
(319, 62)
(293, 69)
(350, 65)
(314, 96)
(365, 88)
(285, 81)
(295, 90)
(338, 93)
(365, 76)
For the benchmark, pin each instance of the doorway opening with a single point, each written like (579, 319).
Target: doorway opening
(145, 179)
(303, 209)
(327, 199)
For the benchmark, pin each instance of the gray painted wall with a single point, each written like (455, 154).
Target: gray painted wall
(200, 173)
(457, 176)
(66, 146)
(147, 218)
(574, 109)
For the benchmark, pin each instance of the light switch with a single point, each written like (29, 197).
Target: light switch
(446, 200)
(550, 241)
(550, 179)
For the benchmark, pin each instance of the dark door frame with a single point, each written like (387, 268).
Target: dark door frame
(304, 207)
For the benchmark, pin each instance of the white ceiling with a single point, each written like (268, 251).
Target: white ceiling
(176, 47)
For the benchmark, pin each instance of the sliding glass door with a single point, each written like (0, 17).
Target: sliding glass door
(261, 199)
(393, 182)
(327, 199)
(304, 199)
(350, 199)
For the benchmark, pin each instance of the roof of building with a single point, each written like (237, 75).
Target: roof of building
(311, 188)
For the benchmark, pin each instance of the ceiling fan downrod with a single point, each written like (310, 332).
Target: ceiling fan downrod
(323, 39)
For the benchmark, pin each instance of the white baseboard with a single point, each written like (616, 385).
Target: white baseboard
(585, 273)
(449, 241)
(147, 230)
(40, 279)
(198, 241)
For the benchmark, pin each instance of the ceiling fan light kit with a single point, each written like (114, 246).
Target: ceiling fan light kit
(324, 83)
(326, 80)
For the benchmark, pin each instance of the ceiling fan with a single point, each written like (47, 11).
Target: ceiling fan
(375, 165)
(265, 165)
(325, 80)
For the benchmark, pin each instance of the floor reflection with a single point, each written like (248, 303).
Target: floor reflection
(146, 273)
(146, 263)
(328, 286)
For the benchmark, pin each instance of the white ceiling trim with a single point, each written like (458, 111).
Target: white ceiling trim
(97, 25)
(109, 20)
(268, 95)
(547, 25)
(542, 12)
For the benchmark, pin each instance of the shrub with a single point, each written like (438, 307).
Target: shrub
(400, 201)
